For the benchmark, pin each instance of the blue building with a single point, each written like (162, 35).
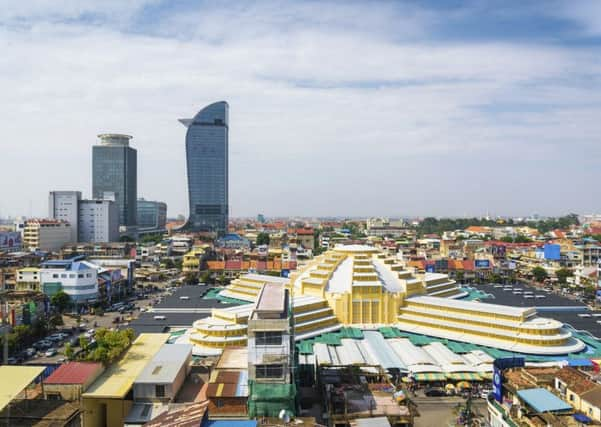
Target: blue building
(75, 276)
(207, 165)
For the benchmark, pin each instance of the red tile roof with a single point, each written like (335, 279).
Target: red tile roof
(73, 373)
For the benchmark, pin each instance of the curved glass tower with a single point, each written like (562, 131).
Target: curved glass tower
(207, 164)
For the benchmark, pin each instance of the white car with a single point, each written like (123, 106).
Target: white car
(50, 352)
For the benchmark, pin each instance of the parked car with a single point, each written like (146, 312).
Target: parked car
(74, 341)
(30, 352)
(50, 352)
(42, 345)
(435, 392)
(12, 361)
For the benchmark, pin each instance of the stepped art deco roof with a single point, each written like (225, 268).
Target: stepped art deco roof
(367, 288)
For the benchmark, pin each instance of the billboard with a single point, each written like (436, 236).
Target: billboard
(10, 241)
(552, 251)
(497, 380)
(430, 268)
(482, 263)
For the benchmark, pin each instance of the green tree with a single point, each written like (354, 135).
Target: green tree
(190, 279)
(168, 263)
(539, 274)
(495, 278)
(459, 276)
(84, 343)
(205, 277)
(262, 239)
(562, 275)
(110, 345)
(69, 351)
(61, 300)
(520, 238)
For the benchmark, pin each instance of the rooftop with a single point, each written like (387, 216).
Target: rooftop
(119, 378)
(271, 298)
(472, 305)
(542, 400)
(74, 373)
(233, 358)
(165, 364)
(188, 416)
(15, 379)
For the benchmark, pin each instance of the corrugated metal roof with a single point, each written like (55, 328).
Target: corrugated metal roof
(14, 380)
(542, 400)
(119, 378)
(73, 373)
(188, 416)
(165, 364)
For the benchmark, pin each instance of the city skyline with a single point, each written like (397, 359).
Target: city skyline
(406, 109)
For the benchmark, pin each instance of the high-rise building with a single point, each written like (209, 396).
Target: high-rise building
(63, 205)
(151, 214)
(114, 170)
(207, 164)
(94, 221)
(98, 221)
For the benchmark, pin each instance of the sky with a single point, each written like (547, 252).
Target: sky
(337, 108)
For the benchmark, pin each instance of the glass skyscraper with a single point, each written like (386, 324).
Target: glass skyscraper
(114, 175)
(152, 214)
(207, 164)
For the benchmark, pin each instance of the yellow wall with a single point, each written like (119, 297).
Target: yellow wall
(99, 412)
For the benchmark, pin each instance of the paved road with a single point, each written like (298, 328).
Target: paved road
(441, 411)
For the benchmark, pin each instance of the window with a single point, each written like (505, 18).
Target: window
(63, 276)
(269, 371)
(88, 274)
(71, 276)
(80, 276)
(571, 397)
(55, 276)
(159, 390)
(268, 338)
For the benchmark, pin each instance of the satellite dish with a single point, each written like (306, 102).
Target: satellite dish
(284, 416)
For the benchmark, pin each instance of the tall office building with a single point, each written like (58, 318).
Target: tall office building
(114, 170)
(64, 205)
(151, 214)
(207, 164)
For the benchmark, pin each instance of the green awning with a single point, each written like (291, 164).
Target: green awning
(430, 376)
(464, 376)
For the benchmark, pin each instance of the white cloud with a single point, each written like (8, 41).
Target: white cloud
(324, 119)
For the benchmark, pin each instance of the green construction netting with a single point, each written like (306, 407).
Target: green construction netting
(349, 332)
(267, 400)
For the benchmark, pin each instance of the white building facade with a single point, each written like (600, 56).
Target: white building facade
(78, 279)
(98, 221)
(63, 205)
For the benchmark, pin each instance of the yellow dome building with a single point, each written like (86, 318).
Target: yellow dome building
(361, 286)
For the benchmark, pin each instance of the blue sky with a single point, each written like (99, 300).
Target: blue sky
(337, 108)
